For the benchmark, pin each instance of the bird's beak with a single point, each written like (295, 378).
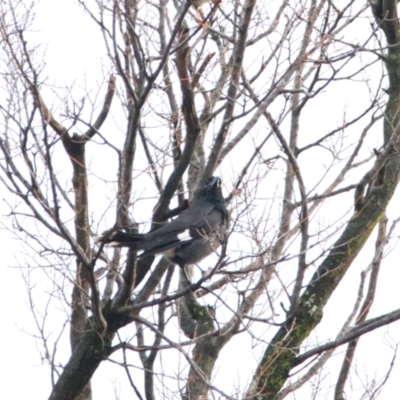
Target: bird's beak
(213, 182)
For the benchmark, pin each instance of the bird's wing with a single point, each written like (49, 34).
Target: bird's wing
(210, 223)
(183, 230)
(192, 223)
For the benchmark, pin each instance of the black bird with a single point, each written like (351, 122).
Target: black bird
(193, 235)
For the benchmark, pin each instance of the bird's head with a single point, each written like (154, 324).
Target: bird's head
(211, 187)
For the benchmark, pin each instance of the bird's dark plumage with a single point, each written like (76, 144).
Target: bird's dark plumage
(193, 235)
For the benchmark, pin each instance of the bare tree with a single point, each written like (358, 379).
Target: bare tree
(255, 92)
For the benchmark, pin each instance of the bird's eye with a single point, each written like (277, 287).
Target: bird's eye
(219, 183)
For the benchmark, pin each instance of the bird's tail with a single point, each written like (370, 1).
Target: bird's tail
(120, 239)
